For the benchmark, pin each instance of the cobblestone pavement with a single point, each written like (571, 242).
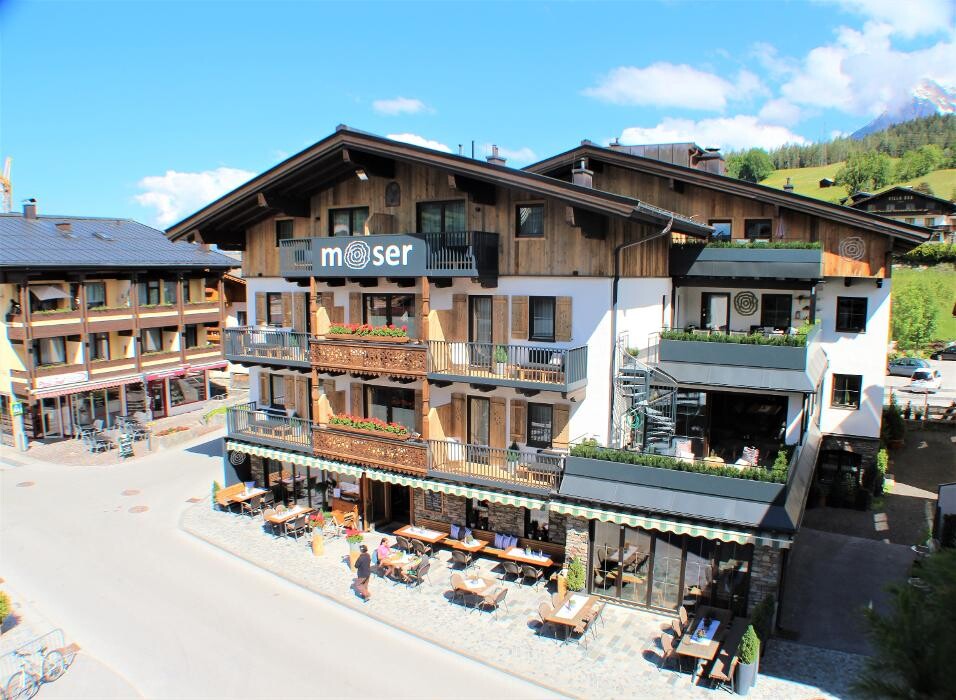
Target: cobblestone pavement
(620, 662)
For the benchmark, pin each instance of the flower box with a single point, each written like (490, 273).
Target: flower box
(368, 338)
(371, 433)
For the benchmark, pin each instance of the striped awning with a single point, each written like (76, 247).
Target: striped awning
(678, 527)
(295, 458)
(507, 499)
(86, 386)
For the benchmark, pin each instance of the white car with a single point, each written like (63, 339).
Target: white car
(926, 381)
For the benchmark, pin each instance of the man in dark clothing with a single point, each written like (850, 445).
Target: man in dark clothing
(363, 572)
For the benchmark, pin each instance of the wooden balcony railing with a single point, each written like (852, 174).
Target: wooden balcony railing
(409, 456)
(369, 357)
(263, 426)
(519, 366)
(536, 471)
(266, 346)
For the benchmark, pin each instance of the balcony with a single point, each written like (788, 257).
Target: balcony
(746, 261)
(777, 363)
(394, 454)
(104, 369)
(52, 375)
(103, 319)
(447, 254)
(367, 357)
(204, 353)
(47, 324)
(528, 470)
(201, 312)
(159, 359)
(266, 427)
(260, 346)
(517, 366)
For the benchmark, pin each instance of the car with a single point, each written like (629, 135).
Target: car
(947, 353)
(925, 381)
(905, 366)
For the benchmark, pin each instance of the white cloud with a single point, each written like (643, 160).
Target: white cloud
(742, 131)
(670, 85)
(780, 111)
(518, 155)
(175, 195)
(417, 140)
(775, 64)
(400, 105)
(909, 19)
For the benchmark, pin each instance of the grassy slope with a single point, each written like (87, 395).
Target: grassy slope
(941, 276)
(806, 181)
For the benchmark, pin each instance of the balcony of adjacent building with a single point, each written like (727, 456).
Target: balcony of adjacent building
(271, 427)
(522, 367)
(437, 255)
(267, 347)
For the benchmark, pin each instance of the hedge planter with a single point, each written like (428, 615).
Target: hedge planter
(368, 338)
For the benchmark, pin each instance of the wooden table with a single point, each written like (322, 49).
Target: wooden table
(287, 515)
(517, 554)
(421, 533)
(476, 586)
(400, 561)
(703, 650)
(568, 620)
(474, 547)
(244, 496)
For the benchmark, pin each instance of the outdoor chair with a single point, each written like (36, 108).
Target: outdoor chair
(720, 677)
(416, 576)
(544, 612)
(268, 499)
(596, 615)
(402, 543)
(532, 573)
(684, 621)
(252, 506)
(668, 653)
(98, 424)
(266, 514)
(511, 569)
(97, 442)
(296, 527)
(556, 600)
(493, 599)
(462, 559)
(457, 587)
(422, 549)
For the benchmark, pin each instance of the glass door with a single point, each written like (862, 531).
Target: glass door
(715, 311)
(479, 331)
(634, 565)
(479, 431)
(51, 418)
(157, 398)
(666, 573)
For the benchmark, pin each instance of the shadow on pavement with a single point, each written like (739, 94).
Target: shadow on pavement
(208, 448)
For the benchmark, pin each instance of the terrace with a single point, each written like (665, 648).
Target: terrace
(517, 366)
(269, 347)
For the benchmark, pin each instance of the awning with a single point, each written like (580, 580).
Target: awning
(46, 292)
(178, 372)
(678, 527)
(86, 386)
(295, 458)
(219, 364)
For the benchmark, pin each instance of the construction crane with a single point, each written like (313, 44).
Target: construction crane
(7, 186)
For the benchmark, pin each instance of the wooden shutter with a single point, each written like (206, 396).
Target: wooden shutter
(459, 308)
(290, 392)
(264, 398)
(302, 397)
(519, 317)
(496, 436)
(499, 316)
(559, 425)
(519, 420)
(287, 310)
(357, 405)
(355, 307)
(562, 319)
(458, 417)
(300, 311)
(418, 410)
(261, 312)
(323, 312)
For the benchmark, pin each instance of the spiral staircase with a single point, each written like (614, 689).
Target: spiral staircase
(645, 404)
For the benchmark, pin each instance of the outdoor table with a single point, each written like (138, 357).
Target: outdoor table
(472, 547)
(705, 646)
(400, 561)
(519, 555)
(574, 608)
(285, 516)
(476, 585)
(421, 533)
(246, 495)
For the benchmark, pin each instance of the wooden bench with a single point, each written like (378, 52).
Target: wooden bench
(224, 496)
(555, 551)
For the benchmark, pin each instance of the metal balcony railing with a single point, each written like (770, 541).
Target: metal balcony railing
(268, 427)
(266, 346)
(537, 471)
(519, 366)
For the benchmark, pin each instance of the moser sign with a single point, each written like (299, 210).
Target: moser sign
(369, 256)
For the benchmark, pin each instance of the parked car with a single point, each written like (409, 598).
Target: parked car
(905, 366)
(947, 353)
(926, 381)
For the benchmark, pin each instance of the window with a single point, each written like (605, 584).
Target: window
(775, 311)
(723, 229)
(277, 390)
(476, 514)
(241, 318)
(284, 230)
(540, 422)
(148, 292)
(187, 389)
(435, 217)
(274, 308)
(542, 319)
(529, 221)
(846, 391)
(348, 222)
(49, 351)
(758, 229)
(388, 309)
(169, 291)
(537, 524)
(851, 314)
(150, 340)
(99, 346)
(391, 405)
(95, 294)
(191, 335)
(187, 295)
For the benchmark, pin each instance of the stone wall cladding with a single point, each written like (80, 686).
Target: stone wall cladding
(507, 520)
(576, 539)
(453, 508)
(865, 447)
(557, 528)
(765, 570)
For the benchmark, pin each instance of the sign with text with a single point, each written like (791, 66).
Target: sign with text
(369, 256)
(61, 379)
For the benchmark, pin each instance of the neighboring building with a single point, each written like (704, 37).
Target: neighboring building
(912, 207)
(234, 287)
(540, 310)
(103, 317)
(827, 182)
(689, 154)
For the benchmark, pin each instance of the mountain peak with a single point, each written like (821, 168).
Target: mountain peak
(927, 98)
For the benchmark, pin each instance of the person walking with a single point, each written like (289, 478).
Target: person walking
(363, 572)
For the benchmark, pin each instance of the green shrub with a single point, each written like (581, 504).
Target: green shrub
(762, 617)
(4, 606)
(931, 253)
(776, 245)
(781, 465)
(790, 341)
(575, 575)
(749, 647)
(893, 426)
(501, 355)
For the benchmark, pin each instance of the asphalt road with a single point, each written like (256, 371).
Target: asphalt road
(176, 618)
(944, 397)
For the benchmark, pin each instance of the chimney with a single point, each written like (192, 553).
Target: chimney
(615, 145)
(494, 158)
(30, 208)
(582, 176)
(64, 227)
(788, 186)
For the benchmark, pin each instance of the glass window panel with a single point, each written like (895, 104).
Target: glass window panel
(723, 230)
(284, 230)
(169, 291)
(665, 586)
(846, 390)
(376, 309)
(95, 294)
(605, 569)
(530, 220)
(540, 417)
(758, 229)
(851, 314)
(476, 514)
(634, 563)
(99, 346)
(151, 340)
(699, 565)
(359, 217)
(775, 311)
(454, 216)
(274, 308)
(391, 309)
(542, 318)
(192, 336)
(430, 217)
(537, 524)
(341, 223)
(277, 390)
(183, 390)
(732, 580)
(50, 351)
(390, 404)
(479, 421)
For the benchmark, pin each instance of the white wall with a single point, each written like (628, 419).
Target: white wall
(266, 284)
(689, 302)
(855, 353)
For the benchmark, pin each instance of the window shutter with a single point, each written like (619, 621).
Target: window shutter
(458, 416)
(355, 307)
(260, 308)
(499, 315)
(300, 312)
(357, 407)
(418, 411)
(460, 321)
(264, 398)
(287, 319)
(559, 427)
(289, 392)
(562, 319)
(519, 420)
(496, 431)
(519, 317)
(302, 402)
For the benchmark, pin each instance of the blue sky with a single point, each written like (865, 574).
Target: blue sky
(150, 110)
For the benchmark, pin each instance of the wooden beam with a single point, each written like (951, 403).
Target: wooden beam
(481, 192)
(286, 205)
(373, 165)
(592, 225)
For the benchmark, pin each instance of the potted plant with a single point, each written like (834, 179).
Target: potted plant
(748, 652)
(576, 575)
(215, 490)
(316, 523)
(354, 538)
(501, 360)
(513, 455)
(762, 617)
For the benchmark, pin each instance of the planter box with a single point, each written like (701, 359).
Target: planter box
(734, 354)
(372, 433)
(367, 338)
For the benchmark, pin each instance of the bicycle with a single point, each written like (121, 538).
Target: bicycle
(35, 667)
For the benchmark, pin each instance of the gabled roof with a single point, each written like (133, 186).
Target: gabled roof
(900, 231)
(867, 198)
(27, 243)
(287, 186)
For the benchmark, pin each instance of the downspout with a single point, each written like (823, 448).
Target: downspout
(614, 295)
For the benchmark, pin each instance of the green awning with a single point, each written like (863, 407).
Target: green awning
(295, 458)
(679, 527)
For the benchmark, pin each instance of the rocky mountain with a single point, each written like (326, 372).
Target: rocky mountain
(928, 98)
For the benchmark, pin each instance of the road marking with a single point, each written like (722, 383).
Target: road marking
(24, 484)
(130, 492)
(138, 509)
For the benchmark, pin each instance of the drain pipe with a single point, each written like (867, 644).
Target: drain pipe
(614, 295)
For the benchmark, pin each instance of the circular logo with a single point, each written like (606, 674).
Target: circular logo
(745, 303)
(236, 458)
(357, 255)
(852, 248)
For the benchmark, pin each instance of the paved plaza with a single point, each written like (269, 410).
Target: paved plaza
(620, 662)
